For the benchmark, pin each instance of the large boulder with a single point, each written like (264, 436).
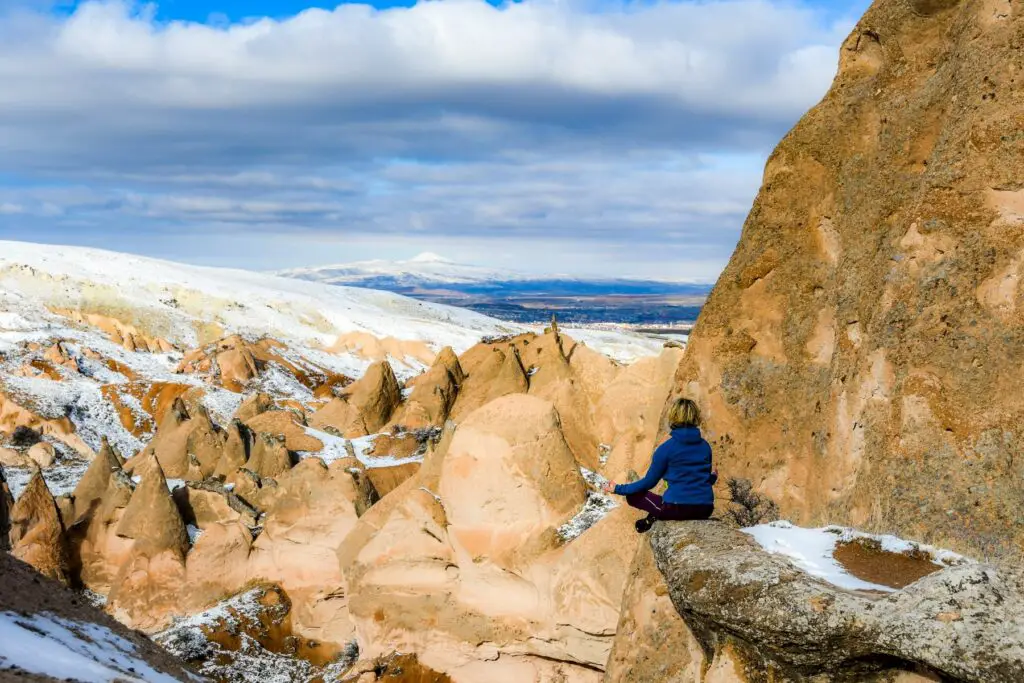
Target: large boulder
(761, 613)
(508, 476)
(861, 355)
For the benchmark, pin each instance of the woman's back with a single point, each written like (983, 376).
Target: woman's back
(688, 471)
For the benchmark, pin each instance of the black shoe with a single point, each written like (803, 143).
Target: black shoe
(644, 525)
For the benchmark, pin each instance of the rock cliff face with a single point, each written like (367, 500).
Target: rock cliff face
(861, 356)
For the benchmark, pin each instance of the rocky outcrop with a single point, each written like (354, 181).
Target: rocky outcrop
(365, 406)
(235, 362)
(463, 564)
(37, 533)
(652, 642)
(187, 444)
(861, 355)
(433, 393)
(760, 617)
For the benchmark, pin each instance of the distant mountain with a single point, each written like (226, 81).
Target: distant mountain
(520, 297)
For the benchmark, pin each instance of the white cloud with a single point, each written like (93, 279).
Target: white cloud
(540, 119)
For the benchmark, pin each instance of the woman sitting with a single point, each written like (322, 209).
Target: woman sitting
(684, 461)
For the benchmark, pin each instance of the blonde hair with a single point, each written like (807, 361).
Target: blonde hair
(684, 413)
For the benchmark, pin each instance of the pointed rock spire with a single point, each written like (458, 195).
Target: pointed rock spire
(270, 457)
(96, 480)
(37, 535)
(152, 516)
(365, 406)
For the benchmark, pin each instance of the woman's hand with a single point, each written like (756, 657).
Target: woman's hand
(608, 487)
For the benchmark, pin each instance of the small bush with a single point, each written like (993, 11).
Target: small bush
(25, 437)
(748, 507)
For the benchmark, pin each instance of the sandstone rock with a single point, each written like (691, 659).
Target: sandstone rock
(777, 619)
(96, 481)
(284, 423)
(254, 405)
(127, 335)
(13, 415)
(187, 444)
(433, 393)
(461, 563)
(652, 641)
(500, 372)
(237, 448)
(270, 457)
(234, 362)
(37, 535)
(42, 454)
(871, 316)
(155, 398)
(148, 586)
(364, 407)
(387, 479)
(379, 349)
(508, 476)
(100, 501)
(12, 458)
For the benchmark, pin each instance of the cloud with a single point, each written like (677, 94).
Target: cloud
(452, 119)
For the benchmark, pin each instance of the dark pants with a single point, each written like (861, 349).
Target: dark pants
(655, 507)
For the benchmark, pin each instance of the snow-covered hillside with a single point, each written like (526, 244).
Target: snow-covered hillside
(177, 301)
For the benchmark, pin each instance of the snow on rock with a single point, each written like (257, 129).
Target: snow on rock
(60, 479)
(335, 448)
(811, 550)
(619, 345)
(63, 649)
(598, 505)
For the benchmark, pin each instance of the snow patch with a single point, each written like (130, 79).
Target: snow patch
(811, 550)
(63, 649)
(597, 507)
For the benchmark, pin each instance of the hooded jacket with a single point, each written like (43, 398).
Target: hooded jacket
(684, 461)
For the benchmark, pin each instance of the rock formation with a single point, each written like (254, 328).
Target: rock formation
(433, 393)
(861, 355)
(772, 621)
(148, 585)
(365, 406)
(37, 533)
(463, 563)
(187, 444)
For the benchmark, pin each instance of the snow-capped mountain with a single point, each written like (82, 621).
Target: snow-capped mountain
(422, 269)
(520, 297)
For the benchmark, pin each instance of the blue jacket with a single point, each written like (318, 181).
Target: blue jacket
(684, 461)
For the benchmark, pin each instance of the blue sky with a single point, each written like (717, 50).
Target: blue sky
(582, 137)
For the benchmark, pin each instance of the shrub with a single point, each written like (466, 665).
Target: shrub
(748, 507)
(25, 437)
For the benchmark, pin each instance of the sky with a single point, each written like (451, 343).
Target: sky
(595, 137)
